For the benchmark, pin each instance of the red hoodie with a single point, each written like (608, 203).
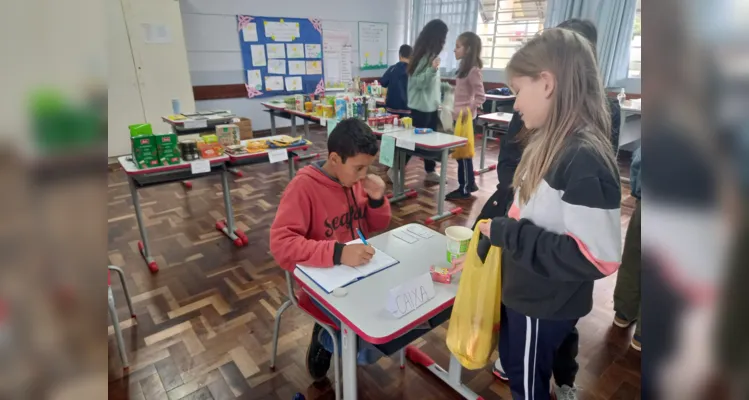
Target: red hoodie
(317, 215)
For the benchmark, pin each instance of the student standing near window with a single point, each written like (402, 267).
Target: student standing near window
(469, 95)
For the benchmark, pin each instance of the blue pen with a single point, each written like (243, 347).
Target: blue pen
(361, 236)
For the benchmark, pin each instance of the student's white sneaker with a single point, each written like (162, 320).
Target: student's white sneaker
(498, 371)
(565, 392)
(432, 177)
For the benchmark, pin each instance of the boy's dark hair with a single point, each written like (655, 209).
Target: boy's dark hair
(429, 44)
(583, 27)
(472, 43)
(405, 51)
(351, 137)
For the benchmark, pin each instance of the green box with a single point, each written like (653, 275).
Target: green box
(168, 148)
(140, 130)
(145, 154)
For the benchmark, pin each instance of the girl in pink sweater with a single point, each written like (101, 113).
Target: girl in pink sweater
(469, 95)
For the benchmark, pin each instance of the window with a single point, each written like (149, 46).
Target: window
(504, 25)
(635, 47)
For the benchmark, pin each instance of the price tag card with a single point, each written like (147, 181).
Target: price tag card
(196, 124)
(387, 150)
(277, 155)
(200, 166)
(406, 144)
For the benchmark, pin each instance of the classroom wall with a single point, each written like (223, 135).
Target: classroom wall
(213, 52)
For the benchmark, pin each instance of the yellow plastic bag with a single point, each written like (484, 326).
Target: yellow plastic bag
(474, 324)
(464, 128)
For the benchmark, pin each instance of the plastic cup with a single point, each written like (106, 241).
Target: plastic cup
(458, 238)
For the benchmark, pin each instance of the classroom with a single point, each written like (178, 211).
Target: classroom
(235, 117)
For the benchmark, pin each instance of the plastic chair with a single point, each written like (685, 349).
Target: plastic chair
(304, 302)
(113, 312)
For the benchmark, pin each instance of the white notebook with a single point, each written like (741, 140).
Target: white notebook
(341, 275)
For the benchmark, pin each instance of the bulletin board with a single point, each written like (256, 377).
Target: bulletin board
(281, 56)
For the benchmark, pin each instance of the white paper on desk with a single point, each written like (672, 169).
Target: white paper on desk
(195, 123)
(258, 55)
(277, 67)
(405, 237)
(420, 231)
(277, 155)
(249, 32)
(405, 144)
(341, 275)
(200, 166)
(410, 295)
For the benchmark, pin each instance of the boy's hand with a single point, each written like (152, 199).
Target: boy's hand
(485, 228)
(374, 186)
(355, 255)
(436, 63)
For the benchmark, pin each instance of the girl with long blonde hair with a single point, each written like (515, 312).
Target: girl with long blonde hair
(563, 229)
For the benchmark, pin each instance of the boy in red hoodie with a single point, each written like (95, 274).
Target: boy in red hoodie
(321, 209)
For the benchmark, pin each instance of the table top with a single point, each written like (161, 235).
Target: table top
(364, 307)
(235, 157)
(282, 107)
(211, 117)
(631, 106)
(500, 97)
(427, 141)
(498, 117)
(132, 169)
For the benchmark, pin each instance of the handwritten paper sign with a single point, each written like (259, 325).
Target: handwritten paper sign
(387, 150)
(195, 124)
(373, 41)
(406, 144)
(277, 155)
(200, 166)
(410, 295)
(282, 31)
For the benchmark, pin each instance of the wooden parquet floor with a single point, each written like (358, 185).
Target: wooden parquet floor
(205, 321)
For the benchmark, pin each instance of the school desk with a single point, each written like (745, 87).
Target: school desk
(501, 99)
(238, 160)
(197, 123)
(628, 107)
(434, 146)
(141, 178)
(363, 314)
(498, 122)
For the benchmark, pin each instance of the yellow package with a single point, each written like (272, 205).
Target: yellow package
(464, 128)
(474, 324)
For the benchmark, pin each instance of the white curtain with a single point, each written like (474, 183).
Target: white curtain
(614, 21)
(459, 15)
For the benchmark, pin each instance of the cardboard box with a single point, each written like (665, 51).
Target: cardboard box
(167, 147)
(145, 154)
(245, 128)
(228, 135)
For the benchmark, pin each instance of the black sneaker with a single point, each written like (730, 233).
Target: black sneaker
(457, 194)
(318, 359)
(474, 187)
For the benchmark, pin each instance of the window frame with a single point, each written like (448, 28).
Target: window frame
(515, 7)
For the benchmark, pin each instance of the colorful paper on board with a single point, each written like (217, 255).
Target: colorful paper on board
(387, 150)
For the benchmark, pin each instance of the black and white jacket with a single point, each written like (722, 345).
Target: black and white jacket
(564, 238)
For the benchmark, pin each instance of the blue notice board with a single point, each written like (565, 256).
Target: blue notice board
(281, 56)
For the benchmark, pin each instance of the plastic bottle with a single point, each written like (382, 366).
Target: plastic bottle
(621, 96)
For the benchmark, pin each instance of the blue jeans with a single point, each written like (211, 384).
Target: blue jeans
(366, 354)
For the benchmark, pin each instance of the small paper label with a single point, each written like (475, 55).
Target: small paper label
(277, 155)
(405, 237)
(419, 231)
(410, 295)
(200, 166)
(196, 123)
(406, 144)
